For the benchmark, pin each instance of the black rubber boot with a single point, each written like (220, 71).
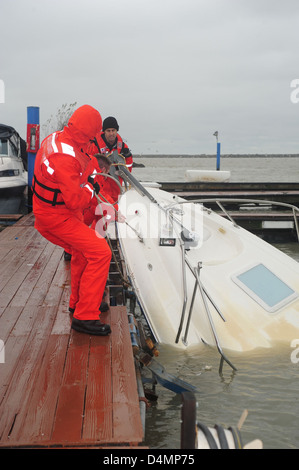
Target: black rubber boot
(91, 327)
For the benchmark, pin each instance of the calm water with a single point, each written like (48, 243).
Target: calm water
(242, 169)
(267, 381)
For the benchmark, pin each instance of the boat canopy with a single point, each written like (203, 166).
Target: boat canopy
(17, 144)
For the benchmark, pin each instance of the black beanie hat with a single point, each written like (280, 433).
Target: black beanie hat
(110, 123)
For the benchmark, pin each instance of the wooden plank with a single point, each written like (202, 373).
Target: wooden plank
(59, 280)
(56, 386)
(25, 374)
(228, 186)
(51, 282)
(22, 256)
(14, 232)
(9, 318)
(16, 239)
(35, 420)
(17, 288)
(27, 219)
(13, 334)
(33, 279)
(10, 216)
(63, 317)
(48, 287)
(67, 427)
(126, 414)
(85, 413)
(98, 419)
(13, 350)
(27, 323)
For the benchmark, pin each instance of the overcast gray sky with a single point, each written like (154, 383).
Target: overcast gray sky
(171, 71)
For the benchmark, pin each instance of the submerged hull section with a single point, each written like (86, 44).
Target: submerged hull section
(184, 284)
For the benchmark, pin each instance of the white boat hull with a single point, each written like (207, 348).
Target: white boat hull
(224, 255)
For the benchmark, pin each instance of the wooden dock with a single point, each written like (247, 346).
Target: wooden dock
(278, 192)
(58, 388)
(275, 225)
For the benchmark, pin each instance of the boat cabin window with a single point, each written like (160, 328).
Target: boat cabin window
(265, 287)
(3, 147)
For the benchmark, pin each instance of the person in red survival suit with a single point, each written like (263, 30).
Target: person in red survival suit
(102, 210)
(109, 140)
(100, 165)
(61, 192)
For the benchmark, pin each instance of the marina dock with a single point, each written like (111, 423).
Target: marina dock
(274, 224)
(278, 192)
(59, 388)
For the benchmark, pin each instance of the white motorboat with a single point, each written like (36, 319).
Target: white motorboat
(201, 279)
(13, 162)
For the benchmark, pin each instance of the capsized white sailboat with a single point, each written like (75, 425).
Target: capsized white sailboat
(202, 279)
(185, 284)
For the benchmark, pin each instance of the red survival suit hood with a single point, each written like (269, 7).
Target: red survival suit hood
(84, 124)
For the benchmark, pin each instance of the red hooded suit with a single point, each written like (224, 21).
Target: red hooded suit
(60, 195)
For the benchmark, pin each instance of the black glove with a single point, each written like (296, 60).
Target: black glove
(126, 153)
(95, 185)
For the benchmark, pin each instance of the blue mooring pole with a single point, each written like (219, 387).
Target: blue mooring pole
(32, 139)
(218, 156)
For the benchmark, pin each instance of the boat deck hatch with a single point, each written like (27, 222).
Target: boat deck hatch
(265, 287)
